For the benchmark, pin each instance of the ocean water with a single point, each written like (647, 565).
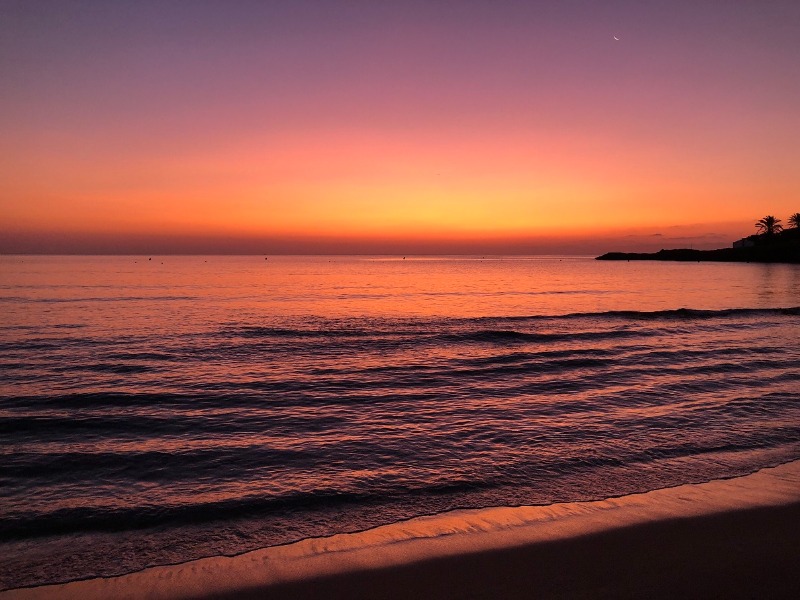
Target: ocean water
(156, 410)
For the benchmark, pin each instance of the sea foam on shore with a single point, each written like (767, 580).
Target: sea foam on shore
(292, 569)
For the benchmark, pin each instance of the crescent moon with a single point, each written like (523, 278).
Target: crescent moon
(616, 38)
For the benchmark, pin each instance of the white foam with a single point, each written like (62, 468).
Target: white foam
(453, 533)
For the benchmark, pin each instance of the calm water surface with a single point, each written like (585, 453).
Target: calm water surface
(155, 411)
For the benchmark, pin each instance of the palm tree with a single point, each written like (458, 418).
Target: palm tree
(794, 220)
(769, 225)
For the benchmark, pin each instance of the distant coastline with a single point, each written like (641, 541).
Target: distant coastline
(783, 247)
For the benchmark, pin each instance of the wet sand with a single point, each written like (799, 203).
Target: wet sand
(735, 538)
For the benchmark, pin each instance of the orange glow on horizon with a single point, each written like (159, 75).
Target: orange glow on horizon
(362, 186)
(502, 122)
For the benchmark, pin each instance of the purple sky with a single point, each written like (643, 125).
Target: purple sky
(427, 125)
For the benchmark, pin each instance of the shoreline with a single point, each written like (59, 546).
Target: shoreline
(738, 536)
(757, 254)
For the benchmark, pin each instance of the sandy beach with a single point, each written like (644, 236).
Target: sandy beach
(732, 538)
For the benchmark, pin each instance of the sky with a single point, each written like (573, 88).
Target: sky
(395, 127)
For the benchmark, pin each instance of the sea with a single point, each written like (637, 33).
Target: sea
(155, 410)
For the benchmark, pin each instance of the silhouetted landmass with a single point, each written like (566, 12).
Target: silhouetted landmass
(783, 247)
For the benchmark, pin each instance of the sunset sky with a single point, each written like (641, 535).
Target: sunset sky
(408, 127)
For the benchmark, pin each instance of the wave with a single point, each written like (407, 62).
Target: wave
(505, 336)
(342, 328)
(455, 492)
(279, 332)
(81, 519)
(677, 313)
(693, 313)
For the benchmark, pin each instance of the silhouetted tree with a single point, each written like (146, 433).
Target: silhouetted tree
(794, 220)
(769, 225)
